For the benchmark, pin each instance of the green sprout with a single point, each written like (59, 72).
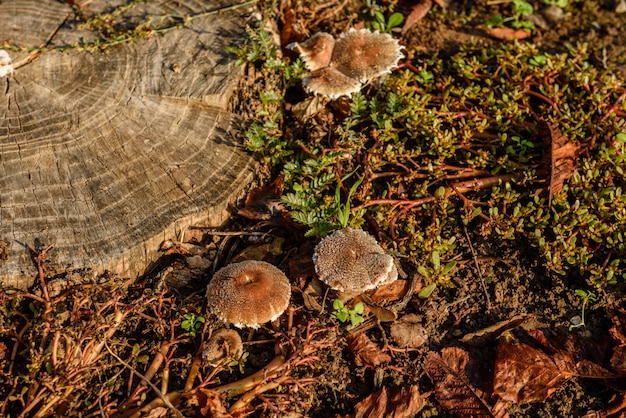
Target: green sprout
(192, 324)
(438, 274)
(386, 25)
(240, 362)
(343, 314)
(586, 296)
(521, 9)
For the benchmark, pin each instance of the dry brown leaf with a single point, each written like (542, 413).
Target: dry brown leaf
(381, 313)
(209, 404)
(4, 351)
(365, 352)
(507, 34)
(526, 374)
(287, 33)
(449, 372)
(483, 336)
(417, 13)
(443, 3)
(389, 292)
(562, 160)
(402, 403)
(263, 203)
(408, 332)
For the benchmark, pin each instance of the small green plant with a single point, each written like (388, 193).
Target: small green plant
(386, 25)
(240, 363)
(586, 296)
(343, 314)
(438, 274)
(521, 9)
(192, 324)
(559, 3)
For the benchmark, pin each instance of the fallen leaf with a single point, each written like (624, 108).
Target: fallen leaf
(389, 292)
(158, 412)
(449, 372)
(365, 352)
(507, 34)
(562, 159)
(483, 336)
(209, 404)
(402, 403)
(301, 267)
(4, 351)
(443, 3)
(381, 313)
(407, 332)
(263, 203)
(287, 35)
(526, 374)
(417, 13)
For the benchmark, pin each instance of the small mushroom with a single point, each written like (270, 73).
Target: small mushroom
(248, 293)
(339, 67)
(223, 344)
(349, 260)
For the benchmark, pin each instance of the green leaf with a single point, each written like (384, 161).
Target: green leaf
(395, 19)
(436, 260)
(621, 137)
(337, 304)
(422, 270)
(448, 267)
(425, 292)
(358, 308)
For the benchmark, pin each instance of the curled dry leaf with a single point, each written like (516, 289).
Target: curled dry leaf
(401, 403)
(417, 13)
(263, 203)
(365, 352)
(449, 372)
(527, 374)
(562, 159)
(507, 34)
(209, 404)
(407, 332)
(390, 292)
(4, 351)
(485, 335)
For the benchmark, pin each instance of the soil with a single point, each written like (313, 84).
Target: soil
(325, 377)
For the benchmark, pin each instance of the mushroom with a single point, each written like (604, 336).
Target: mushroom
(349, 260)
(223, 344)
(248, 293)
(339, 67)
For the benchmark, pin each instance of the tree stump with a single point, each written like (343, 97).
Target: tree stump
(104, 155)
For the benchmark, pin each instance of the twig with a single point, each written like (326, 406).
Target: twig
(613, 108)
(480, 274)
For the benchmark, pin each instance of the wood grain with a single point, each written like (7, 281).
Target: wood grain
(106, 155)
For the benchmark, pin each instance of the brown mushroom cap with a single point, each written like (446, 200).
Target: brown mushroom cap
(248, 293)
(315, 51)
(350, 260)
(364, 55)
(340, 66)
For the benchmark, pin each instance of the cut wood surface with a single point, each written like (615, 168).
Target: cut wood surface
(104, 155)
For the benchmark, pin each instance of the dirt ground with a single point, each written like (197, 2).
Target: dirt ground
(501, 294)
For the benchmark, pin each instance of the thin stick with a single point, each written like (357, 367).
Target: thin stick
(480, 274)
